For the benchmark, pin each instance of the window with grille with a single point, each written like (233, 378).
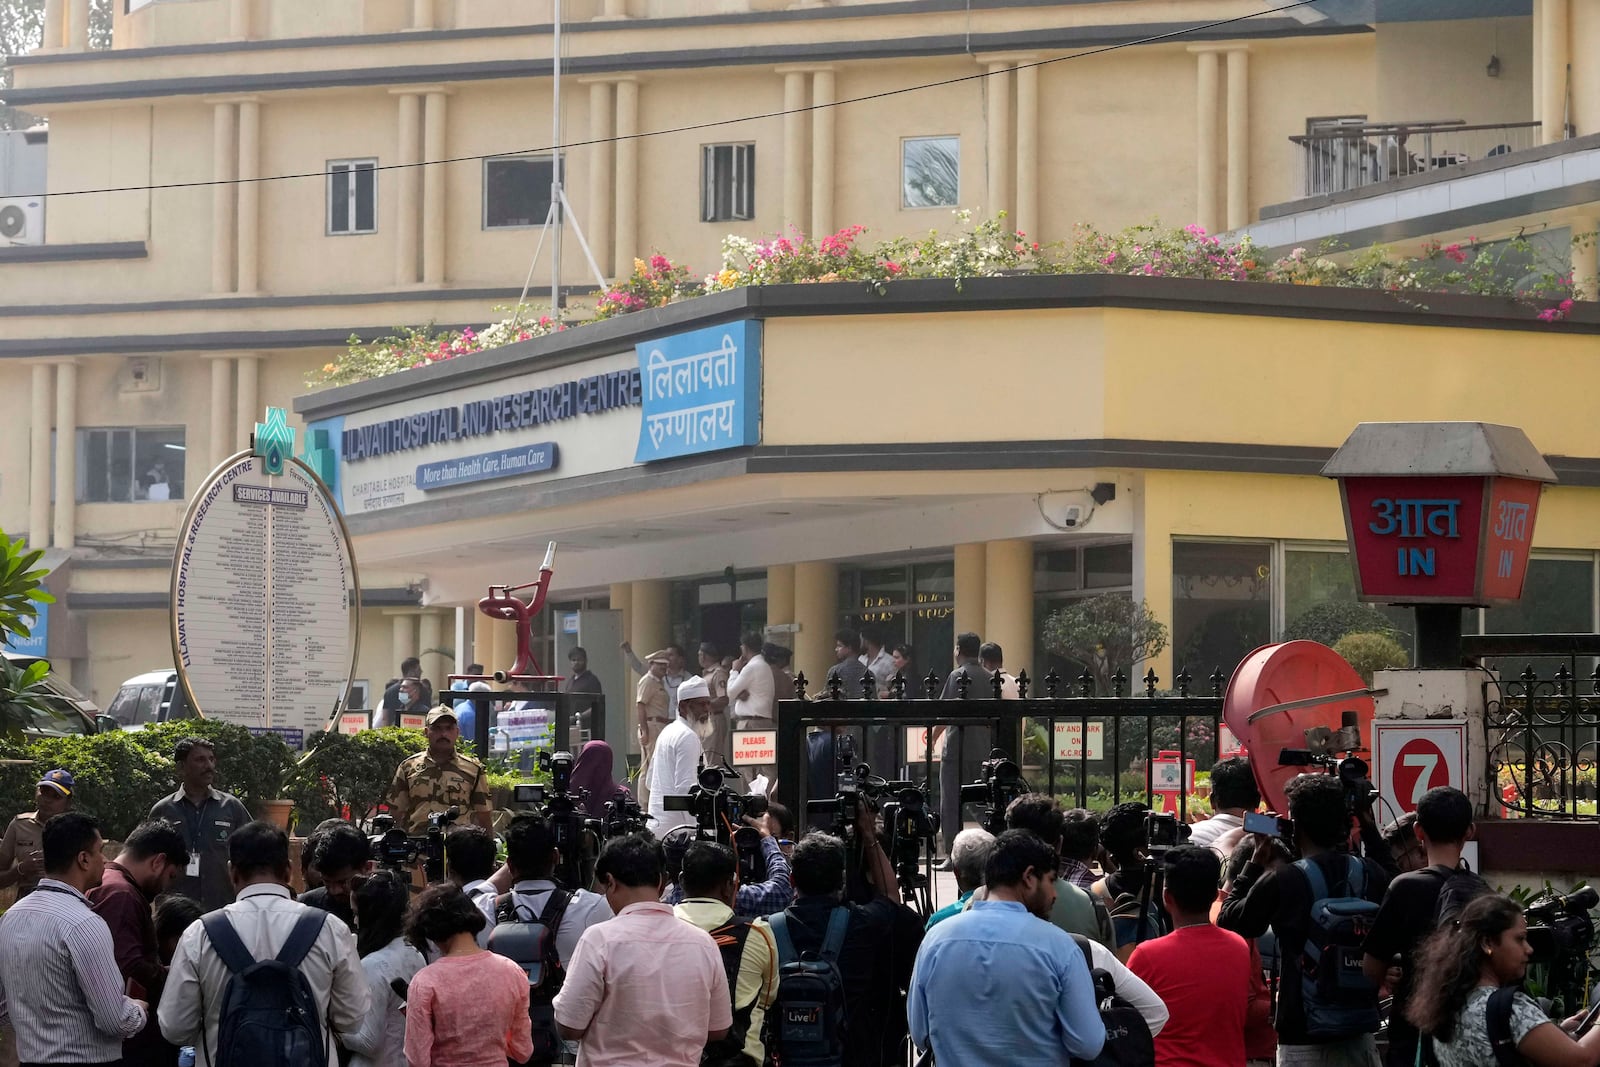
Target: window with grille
(727, 182)
(352, 196)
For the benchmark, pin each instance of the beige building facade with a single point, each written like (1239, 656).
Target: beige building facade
(238, 186)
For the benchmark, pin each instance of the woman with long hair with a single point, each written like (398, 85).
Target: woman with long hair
(469, 1007)
(1459, 969)
(380, 907)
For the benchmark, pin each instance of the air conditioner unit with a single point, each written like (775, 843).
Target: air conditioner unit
(21, 220)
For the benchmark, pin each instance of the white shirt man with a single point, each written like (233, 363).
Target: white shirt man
(750, 691)
(675, 767)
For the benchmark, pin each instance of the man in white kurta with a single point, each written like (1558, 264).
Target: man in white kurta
(675, 766)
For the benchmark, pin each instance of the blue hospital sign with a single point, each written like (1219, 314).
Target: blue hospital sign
(701, 391)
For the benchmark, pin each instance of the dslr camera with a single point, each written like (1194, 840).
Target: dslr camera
(999, 782)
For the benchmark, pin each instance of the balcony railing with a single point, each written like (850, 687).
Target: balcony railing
(1338, 158)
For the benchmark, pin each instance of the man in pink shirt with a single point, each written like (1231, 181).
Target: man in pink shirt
(644, 987)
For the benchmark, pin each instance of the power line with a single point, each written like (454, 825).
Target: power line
(697, 126)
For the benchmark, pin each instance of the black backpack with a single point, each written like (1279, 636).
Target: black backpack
(808, 1017)
(529, 941)
(1497, 1023)
(728, 1051)
(1457, 888)
(269, 1017)
(1128, 1040)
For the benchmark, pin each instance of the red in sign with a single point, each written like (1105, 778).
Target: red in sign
(1513, 505)
(1418, 767)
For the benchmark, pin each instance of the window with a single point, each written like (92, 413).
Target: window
(1221, 603)
(121, 465)
(907, 604)
(353, 196)
(727, 182)
(930, 171)
(1557, 598)
(516, 191)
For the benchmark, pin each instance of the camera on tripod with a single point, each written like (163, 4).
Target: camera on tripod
(570, 824)
(1163, 833)
(908, 825)
(1000, 782)
(719, 812)
(1322, 748)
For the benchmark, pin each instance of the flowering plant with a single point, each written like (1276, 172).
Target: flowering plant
(655, 283)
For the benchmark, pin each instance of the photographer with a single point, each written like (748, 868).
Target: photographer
(756, 900)
(1125, 890)
(342, 855)
(1466, 990)
(1283, 899)
(531, 856)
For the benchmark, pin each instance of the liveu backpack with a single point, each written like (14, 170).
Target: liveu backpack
(1340, 1000)
(529, 941)
(808, 1016)
(1128, 1039)
(269, 1016)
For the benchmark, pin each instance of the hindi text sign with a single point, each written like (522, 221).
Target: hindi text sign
(701, 391)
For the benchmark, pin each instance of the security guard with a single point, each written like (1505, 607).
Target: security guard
(438, 779)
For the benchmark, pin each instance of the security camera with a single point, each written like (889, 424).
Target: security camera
(1074, 515)
(1066, 510)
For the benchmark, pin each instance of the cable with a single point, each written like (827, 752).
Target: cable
(692, 127)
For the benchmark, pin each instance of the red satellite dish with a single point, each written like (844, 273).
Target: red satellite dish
(1281, 691)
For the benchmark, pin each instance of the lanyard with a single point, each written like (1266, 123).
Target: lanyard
(194, 819)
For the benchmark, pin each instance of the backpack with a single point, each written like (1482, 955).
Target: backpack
(728, 1051)
(1497, 1023)
(1340, 1000)
(1128, 1040)
(809, 1013)
(1457, 889)
(269, 1017)
(530, 943)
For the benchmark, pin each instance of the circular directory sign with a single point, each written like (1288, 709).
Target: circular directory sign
(264, 599)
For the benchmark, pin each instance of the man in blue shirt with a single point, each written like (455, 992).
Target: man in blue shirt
(969, 855)
(995, 984)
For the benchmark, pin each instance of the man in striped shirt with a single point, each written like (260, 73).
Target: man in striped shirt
(60, 987)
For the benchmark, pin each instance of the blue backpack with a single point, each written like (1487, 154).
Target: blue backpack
(1340, 1000)
(269, 1017)
(808, 1015)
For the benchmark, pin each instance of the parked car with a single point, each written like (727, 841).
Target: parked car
(67, 712)
(154, 696)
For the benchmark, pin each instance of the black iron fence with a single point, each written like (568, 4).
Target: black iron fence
(1089, 750)
(1542, 725)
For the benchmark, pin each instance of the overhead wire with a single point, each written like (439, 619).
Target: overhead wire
(695, 126)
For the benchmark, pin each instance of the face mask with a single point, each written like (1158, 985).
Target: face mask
(404, 697)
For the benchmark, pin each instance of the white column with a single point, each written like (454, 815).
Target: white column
(249, 197)
(430, 633)
(627, 212)
(408, 191)
(247, 400)
(1205, 207)
(602, 153)
(998, 87)
(224, 163)
(433, 190)
(1553, 59)
(616, 9)
(822, 156)
(241, 19)
(221, 409)
(66, 517)
(1027, 219)
(78, 25)
(404, 631)
(39, 457)
(54, 29)
(1238, 138)
(794, 148)
(422, 14)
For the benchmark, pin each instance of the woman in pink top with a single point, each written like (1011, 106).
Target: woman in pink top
(469, 1008)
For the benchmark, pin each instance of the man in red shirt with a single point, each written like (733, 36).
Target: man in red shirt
(1207, 1002)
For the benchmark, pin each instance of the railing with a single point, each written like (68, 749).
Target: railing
(1543, 732)
(1335, 159)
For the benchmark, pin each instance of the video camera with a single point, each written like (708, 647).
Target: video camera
(1322, 748)
(908, 825)
(1561, 934)
(393, 848)
(575, 831)
(719, 812)
(1000, 782)
(1163, 833)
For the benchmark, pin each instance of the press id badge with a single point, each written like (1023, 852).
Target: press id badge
(193, 870)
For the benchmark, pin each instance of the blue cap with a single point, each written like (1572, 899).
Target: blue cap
(59, 780)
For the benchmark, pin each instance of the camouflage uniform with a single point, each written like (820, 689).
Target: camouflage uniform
(423, 786)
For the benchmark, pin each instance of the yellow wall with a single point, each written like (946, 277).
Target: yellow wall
(1436, 70)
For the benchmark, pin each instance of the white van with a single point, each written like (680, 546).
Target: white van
(154, 696)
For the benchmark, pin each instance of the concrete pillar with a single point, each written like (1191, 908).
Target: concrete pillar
(224, 165)
(1205, 208)
(816, 610)
(1008, 601)
(247, 402)
(502, 647)
(1586, 256)
(1027, 217)
(1238, 138)
(408, 192)
(403, 638)
(780, 593)
(602, 156)
(430, 635)
(1554, 55)
(249, 197)
(794, 149)
(1155, 514)
(66, 515)
(1538, 64)
(626, 238)
(998, 88)
(78, 25)
(616, 9)
(433, 190)
(650, 619)
(241, 19)
(54, 26)
(39, 457)
(221, 410)
(422, 14)
(483, 642)
(971, 598)
(822, 163)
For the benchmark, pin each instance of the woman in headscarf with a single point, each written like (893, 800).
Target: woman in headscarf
(591, 778)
